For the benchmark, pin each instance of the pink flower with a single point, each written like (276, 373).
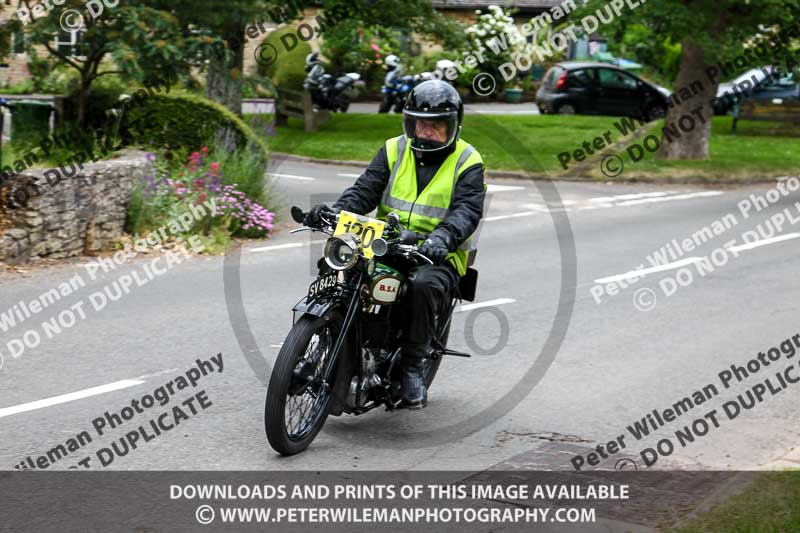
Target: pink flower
(204, 149)
(375, 47)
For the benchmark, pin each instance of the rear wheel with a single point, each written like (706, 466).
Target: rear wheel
(298, 402)
(386, 105)
(566, 109)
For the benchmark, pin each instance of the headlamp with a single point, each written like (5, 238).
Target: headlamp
(341, 251)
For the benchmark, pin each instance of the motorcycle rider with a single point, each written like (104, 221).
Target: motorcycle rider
(394, 70)
(431, 158)
(314, 69)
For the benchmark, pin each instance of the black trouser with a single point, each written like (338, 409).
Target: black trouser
(429, 291)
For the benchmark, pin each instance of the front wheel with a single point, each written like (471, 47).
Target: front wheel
(298, 402)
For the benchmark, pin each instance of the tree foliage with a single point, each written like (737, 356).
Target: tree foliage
(132, 39)
(710, 32)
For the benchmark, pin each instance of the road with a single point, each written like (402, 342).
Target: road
(494, 108)
(616, 362)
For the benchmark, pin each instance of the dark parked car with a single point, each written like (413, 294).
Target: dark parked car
(764, 84)
(600, 89)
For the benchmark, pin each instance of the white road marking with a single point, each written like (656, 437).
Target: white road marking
(347, 175)
(155, 374)
(764, 242)
(503, 188)
(620, 200)
(490, 303)
(515, 215)
(536, 207)
(71, 397)
(287, 245)
(277, 247)
(686, 196)
(694, 259)
(645, 271)
(291, 177)
(632, 196)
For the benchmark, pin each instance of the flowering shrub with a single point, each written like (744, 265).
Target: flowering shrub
(172, 190)
(496, 37)
(246, 216)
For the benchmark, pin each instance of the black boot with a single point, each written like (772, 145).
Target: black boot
(414, 393)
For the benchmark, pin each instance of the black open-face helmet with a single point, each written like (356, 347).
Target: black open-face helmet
(432, 116)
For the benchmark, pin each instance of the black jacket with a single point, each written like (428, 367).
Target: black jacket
(466, 209)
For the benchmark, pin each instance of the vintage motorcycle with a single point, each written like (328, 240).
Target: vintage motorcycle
(342, 353)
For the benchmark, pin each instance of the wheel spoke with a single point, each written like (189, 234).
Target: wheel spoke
(302, 409)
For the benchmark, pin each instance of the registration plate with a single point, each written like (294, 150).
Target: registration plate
(364, 228)
(322, 284)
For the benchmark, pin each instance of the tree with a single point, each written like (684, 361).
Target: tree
(229, 20)
(710, 32)
(222, 24)
(132, 34)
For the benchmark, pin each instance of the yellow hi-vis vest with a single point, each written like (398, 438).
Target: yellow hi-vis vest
(423, 211)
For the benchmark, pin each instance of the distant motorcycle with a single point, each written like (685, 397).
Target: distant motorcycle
(394, 95)
(396, 86)
(327, 92)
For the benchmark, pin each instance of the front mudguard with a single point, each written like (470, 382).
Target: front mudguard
(314, 306)
(346, 362)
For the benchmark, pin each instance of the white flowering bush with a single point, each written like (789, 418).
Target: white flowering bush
(496, 37)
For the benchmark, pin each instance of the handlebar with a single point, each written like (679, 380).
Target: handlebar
(404, 239)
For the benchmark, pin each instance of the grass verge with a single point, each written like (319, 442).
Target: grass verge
(532, 144)
(771, 503)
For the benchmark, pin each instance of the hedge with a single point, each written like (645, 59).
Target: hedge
(182, 121)
(288, 70)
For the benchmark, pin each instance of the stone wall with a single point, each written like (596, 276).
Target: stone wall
(70, 211)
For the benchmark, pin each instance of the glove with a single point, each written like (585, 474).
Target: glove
(434, 248)
(314, 217)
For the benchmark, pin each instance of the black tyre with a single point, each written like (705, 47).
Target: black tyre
(386, 105)
(297, 404)
(654, 112)
(566, 108)
(398, 107)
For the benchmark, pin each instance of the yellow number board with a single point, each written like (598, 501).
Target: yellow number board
(364, 228)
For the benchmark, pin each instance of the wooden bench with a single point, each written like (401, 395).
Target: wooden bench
(298, 104)
(770, 112)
